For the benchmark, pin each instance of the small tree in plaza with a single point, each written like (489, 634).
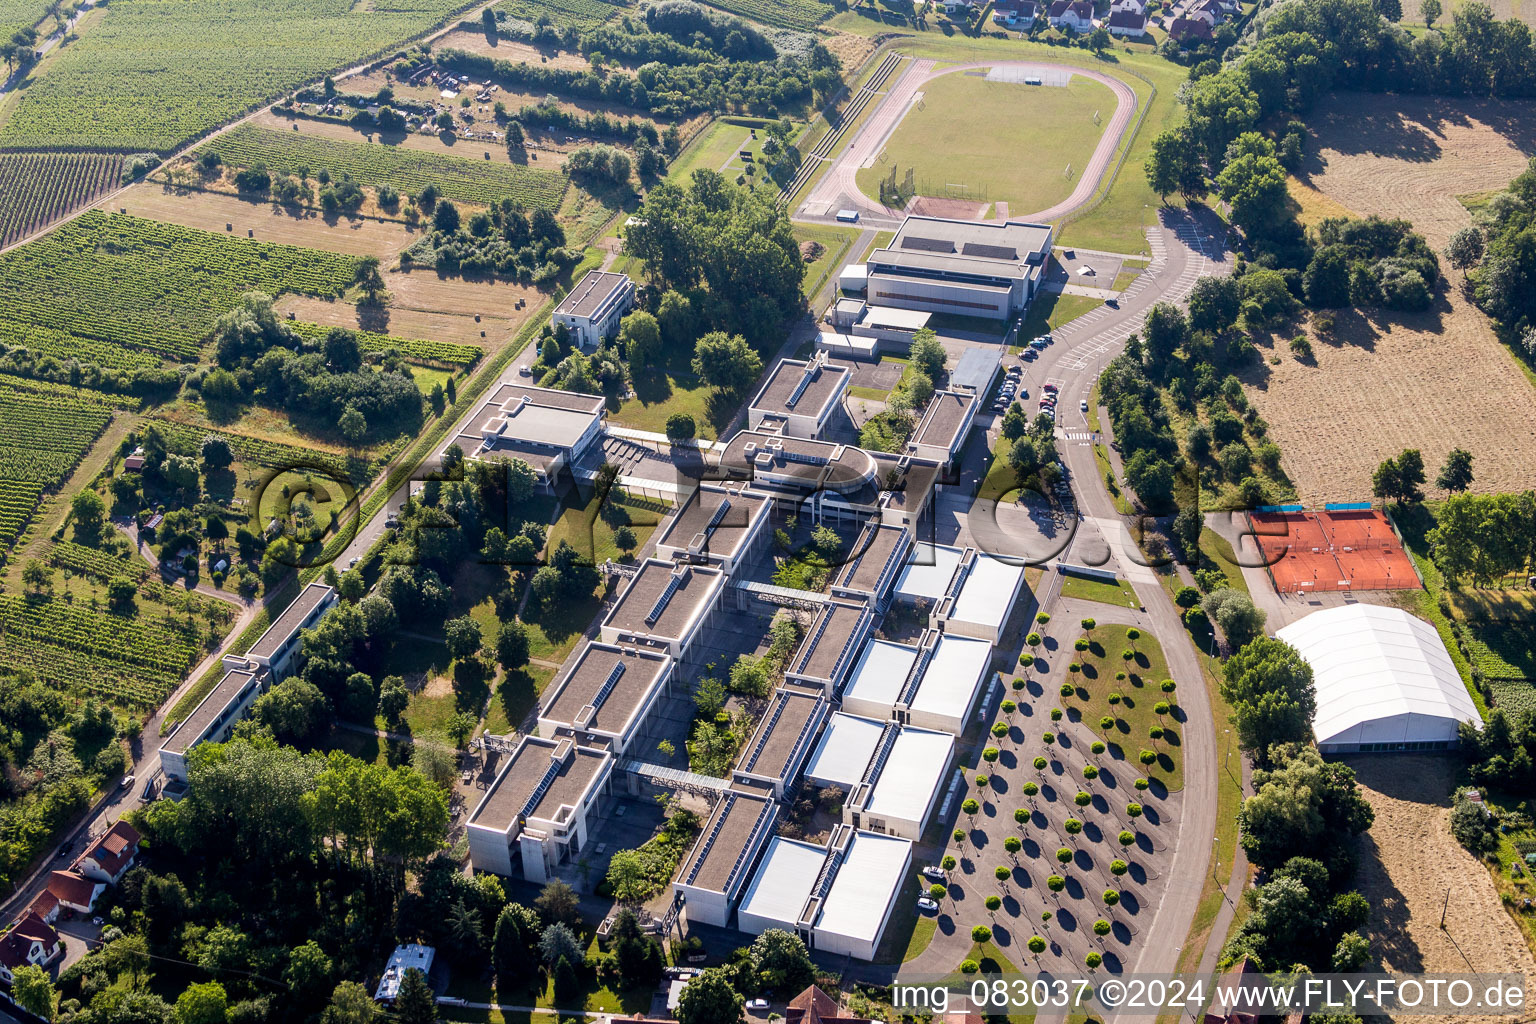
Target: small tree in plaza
(1013, 844)
(1002, 872)
(981, 933)
(1064, 855)
(1029, 789)
(1040, 764)
(1127, 838)
(1056, 884)
(1111, 897)
(948, 863)
(1021, 816)
(1101, 928)
(1036, 947)
(1093, 960)
(1073, 826)
(937, 892)
(1082, 799)
(1118, 867)
(992, 903)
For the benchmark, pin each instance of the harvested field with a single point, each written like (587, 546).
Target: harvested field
(211, 211)
(1386, 381)
(424, 290)
(511, 50)
(1433, 381)
(850, 49)
(411, 323)
(1411, 156)
(470, 149)
(1408, 861)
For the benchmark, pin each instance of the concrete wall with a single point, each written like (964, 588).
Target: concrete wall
(490, 850)
(705, 906)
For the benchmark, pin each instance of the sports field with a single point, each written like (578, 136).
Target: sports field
(1002, 141)
(1328, 551)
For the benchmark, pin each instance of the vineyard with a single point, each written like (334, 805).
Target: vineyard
(1503, 651)
(18, 500)
(155, 287)
(43, 341)
(188, 440)
(563, 13)
(413, 349)
(42, 438)
(45, 388)
(37, 189)
(130, 660)
(17, 14)
(482, 182)
(154, 74)
(804, 15)
(102, 567)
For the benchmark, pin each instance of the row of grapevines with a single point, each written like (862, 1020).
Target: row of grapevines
(414, 349)
(43, 437)
(45, 342)
(188, 440)
(152, 286)
(37, 189)
(564, 13)
(103, 566)
(18, 500)
(798, 14)
(482, 182)
(131, 659)
(89, 397)
(155, 74)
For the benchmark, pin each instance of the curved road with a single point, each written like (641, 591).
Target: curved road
(838, 188)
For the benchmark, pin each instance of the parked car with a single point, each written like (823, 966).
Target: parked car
(927, 905)
(934, 872)
(128, 781)
(757, 1004)
(1051, 388)
(1029, 355)
(525, 371)
(1083, 405)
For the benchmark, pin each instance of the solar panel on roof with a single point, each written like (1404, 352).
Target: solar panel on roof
(991, 252)
(811, 373)
(543, 787)
(666, 596)
(927, 244)
(714, 520)
(608, 684)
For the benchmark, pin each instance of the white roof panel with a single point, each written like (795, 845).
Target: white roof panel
(954, 674)
(928, 571)
(845, 749)
(988, 592)
(867, 882)
(913, 772)
(880, 673)
(1371, 664)
(783, 881)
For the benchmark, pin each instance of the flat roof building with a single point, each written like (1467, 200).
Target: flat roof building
(970, 268)
(213, 720)
(799, 396)
(945, 425)
(409, 957)
(981, 596)
(722, 526)
(852, 917)
(592, 309)
(536, 812)
(717, 868)
(275, 648)
(607, 695)
(929, 570)
(845, 749)
(824, 478)
(831, 644)
(901, 786)
(877, 682)
(777, 749)
(665, 607)
(873, 563)
(548, 429)
(951, 684)
(782, 886)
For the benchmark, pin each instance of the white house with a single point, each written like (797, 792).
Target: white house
(31, 941)
(410, 957)
(1072, 15)
(591, 310)
(1019, 14)
(1126, 24)
(275, 648)
(110, 855)
(1134, 6)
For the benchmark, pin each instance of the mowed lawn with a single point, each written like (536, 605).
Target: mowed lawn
(1005, 142)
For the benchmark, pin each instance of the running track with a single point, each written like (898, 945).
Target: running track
(838, 190)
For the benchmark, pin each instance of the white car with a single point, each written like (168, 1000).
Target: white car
(934, 872)
(757, 1004)
(1083, 405)
(927, 905)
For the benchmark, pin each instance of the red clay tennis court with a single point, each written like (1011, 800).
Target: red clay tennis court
(1331, 551)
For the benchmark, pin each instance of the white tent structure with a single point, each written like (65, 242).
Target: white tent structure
(1384, 680)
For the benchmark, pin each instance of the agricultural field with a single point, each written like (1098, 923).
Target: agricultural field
(481, 182)
(43, 436)
(980, 150)
(18, 14)
(37, 189)
(488, 333)
(44, 341)
(1395, 381)
(416, 350)
(561, 13)
(186, 439)
(149, 286)
(804, 15)
(152, 76)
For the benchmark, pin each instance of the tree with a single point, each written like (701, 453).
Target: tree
(1254, 185)
(1473, 827)
(33, 990)
(1270, 691)
(781, 962)
(927, 353)
(1166, 331)
(1326, 279)
(445, 217)
(981, 933)
(512, 949)
(204, 1003)
(308, 975)
(641, 336)
(393, 699)
(1430, 9)
(1456, 474)
(1214, 304)
(415, 1003)
(353, 425)
(557, 942)
(1174, 165)
(726, 362)
(625, 540)
(680, 427)
(350, 1003)
(89, 513)
(368, 278)
(1351, 954)
(512, 649)
(1307, 807)
(557, 902)
(710, 999)
(1399, 479)
(1465, 248)
(1236, 614)
(462, 637)
(637, 955)
(294, 710)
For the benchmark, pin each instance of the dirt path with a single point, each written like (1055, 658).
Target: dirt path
(1409, 862)
(838, 188)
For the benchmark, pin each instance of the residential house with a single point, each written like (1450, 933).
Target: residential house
(1075, 16)
(1126, 24)
(1019, 14)
(813, 1006)
(110, 856)
(75, 891)
(31, 941)
(591, 310)
(1134, 6)
(1189, 32)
